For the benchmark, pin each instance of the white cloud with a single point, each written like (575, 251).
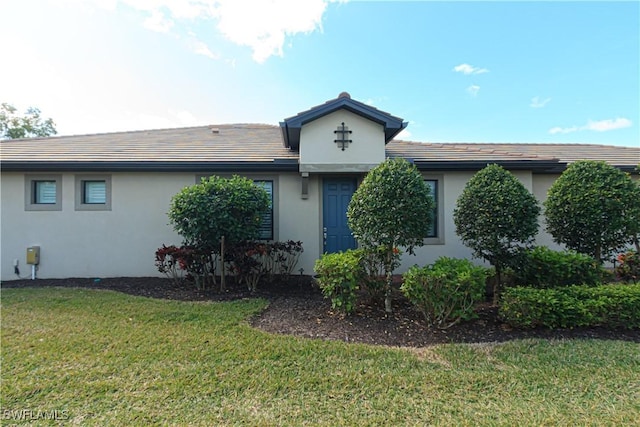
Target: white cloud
(609, 124)
(558, 129)
(403, 135)
(469, 69)
(185, 118)
(157, 22)
(264, 25)
(536, 102)
(598, 126)
(473, 90)
(199, 47)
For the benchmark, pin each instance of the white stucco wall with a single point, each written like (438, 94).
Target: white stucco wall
(119, 242)
(541, 185)
(319, 152)
(298, 219)
(122, 241)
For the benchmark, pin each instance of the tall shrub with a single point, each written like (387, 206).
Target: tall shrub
(391, 209)
(593, 208)
(497, 217)
(231, 207)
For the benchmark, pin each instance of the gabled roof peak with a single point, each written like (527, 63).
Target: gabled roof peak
(291, 126)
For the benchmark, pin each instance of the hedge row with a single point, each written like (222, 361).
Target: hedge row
(542, 267)
(573, 306)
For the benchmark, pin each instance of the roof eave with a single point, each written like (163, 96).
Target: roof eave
(536, 166)
(278, 165)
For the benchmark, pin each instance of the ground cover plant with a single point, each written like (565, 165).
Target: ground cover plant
(572, 306)
(101, 357)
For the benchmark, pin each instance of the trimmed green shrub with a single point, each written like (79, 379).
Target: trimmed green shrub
(339, 276)
(496, 217)
(593, 208)
(446, 291)
(390, 210)
(542, 267)
(573, 306)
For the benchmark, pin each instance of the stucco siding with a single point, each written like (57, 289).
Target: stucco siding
(541, 185)
(298, 218)
(122, 241)
(320, 153)
(119, 242)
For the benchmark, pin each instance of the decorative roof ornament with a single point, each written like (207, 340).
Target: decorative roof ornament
(343, 132)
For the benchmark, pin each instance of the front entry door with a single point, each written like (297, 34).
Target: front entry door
(336, 195)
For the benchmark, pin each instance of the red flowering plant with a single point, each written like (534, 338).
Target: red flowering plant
(186, 262)
(246, 262)
(628, 266)
(169, 260)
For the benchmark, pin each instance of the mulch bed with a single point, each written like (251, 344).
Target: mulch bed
(298, 308)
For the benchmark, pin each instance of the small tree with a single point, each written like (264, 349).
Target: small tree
(392, 208)
(14, 125)
(497, 217)
(231, 207)
(593, 208)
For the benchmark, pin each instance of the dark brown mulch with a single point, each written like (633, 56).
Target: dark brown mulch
(297, 308)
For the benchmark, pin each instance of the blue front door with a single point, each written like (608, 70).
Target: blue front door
(336, 195)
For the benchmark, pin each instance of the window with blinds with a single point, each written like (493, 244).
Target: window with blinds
(266, 228)
(44, 192)
(433, 186)
(94, 192)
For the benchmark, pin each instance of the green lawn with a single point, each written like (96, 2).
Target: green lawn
(100, 357)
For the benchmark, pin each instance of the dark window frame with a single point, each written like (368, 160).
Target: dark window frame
(437, 237)
(81, 203)
(31, 202)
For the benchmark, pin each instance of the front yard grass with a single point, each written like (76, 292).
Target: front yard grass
(105, 358)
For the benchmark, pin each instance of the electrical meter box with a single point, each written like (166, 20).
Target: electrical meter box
(33, 255)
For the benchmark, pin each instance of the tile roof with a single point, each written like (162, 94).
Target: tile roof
(427, 151)
(252, 144)
(218, 143)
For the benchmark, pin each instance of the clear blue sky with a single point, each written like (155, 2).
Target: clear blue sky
(456, 71)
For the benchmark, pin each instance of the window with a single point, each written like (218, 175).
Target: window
(436, 233)
(43, 192)
(93, 193)
(266, 228)
(433, 187)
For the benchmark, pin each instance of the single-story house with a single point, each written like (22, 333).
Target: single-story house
(96, 205)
